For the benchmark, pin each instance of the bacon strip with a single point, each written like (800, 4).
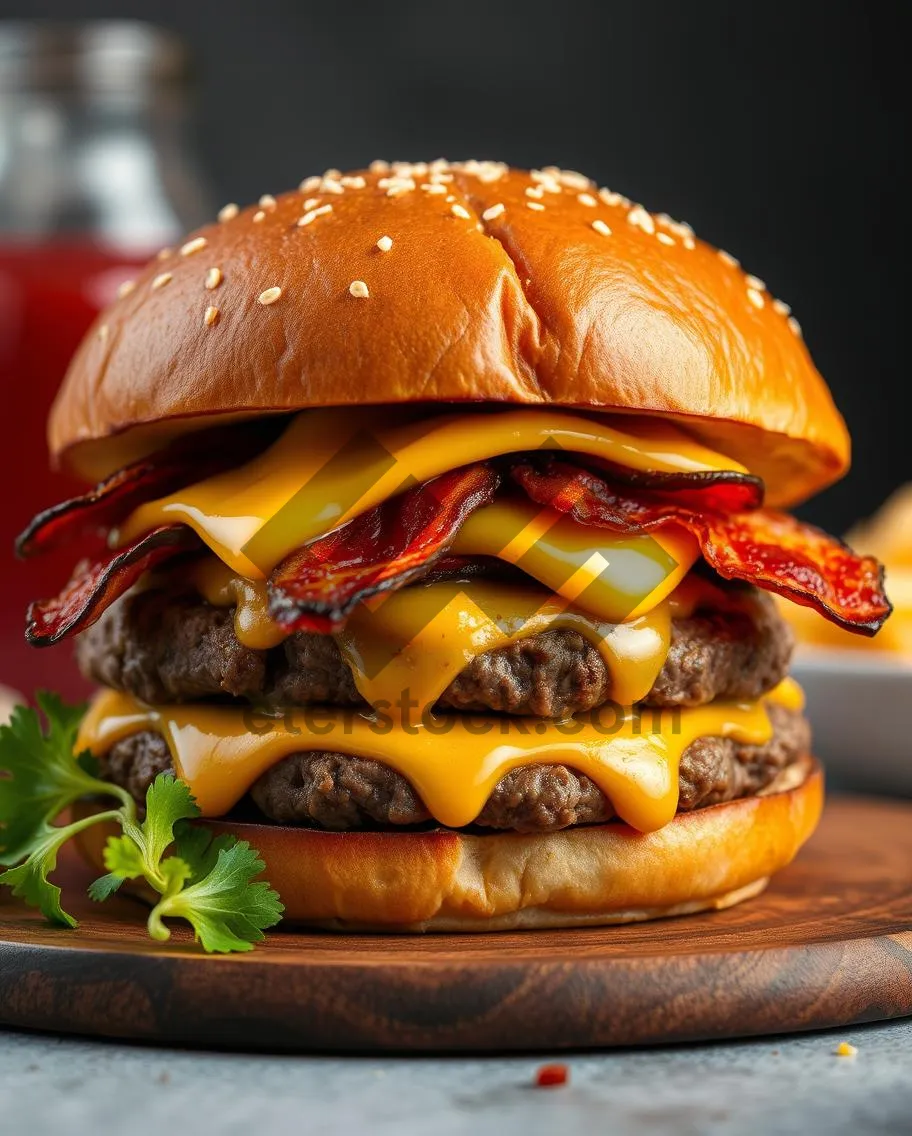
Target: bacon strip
(719, 490)
(96, 584)
(316, 587)
(185, 461)
(772, 550)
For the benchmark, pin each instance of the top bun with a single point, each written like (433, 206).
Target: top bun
(499, 286)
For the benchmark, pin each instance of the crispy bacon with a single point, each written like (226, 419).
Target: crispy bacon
(721, 490)
(772, 550)
(316, 587)
(186, 460)
(96, 584)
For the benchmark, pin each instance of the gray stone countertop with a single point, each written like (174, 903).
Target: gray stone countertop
(50, 1086)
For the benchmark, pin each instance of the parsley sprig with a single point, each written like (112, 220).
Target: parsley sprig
(211, 883)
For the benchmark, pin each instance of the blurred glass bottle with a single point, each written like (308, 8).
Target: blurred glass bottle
(96, 173)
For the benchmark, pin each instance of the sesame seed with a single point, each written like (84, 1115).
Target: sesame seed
(586, 199)
(378, 166)
(311, 202)
(689, 243)
(332, 174)
(353, 182)
(308, 185)
(385, 244)
(665, 238)
(600, 227)
(450, 197)
(781, 307)
(611, 198)
(213, 278)
(755, 282)
(433, 187)
(161, 280)
(330, 185)
(535, 191)
(396, 184)
(193, 246)
(679, 228)
(727, 258)
(210, 316)
(536, 205)
(460, 211)
(395, 187)
(641, 219)
(164, 253)
(546, 179)
(794, 325)
(269, 296)
(126, 288)
(313, 214)
(755, 297)
(494, 211)
(268, 201)
(228, 212)
(359, 289)
(259, 216)
(440, 179)
(573, 180)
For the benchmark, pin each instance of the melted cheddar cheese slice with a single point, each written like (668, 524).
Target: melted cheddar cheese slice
(330, 465)
(453, 761)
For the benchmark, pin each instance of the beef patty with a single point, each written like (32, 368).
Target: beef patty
(336, 791)
(163, 648)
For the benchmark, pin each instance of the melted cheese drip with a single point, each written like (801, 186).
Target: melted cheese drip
(253, 625)
(615, 577)
(622, 579)
(415, 642)
(453, 762)
(330, 465)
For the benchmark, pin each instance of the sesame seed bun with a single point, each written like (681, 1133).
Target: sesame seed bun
(458, 283)
(454, 881)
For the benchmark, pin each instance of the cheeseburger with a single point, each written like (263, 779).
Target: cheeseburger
(437, 523)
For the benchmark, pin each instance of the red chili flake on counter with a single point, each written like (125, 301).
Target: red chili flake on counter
(551, 1076)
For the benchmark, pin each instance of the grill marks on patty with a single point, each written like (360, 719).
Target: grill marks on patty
(163, 648)
(335, 791)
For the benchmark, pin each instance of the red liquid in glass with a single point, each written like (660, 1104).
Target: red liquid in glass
(49, 294)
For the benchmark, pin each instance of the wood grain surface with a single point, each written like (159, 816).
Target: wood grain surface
(829, 944)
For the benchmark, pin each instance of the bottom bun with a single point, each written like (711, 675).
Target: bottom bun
(443, 880)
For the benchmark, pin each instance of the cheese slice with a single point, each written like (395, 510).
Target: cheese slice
(331, 464)
(615, 577)
(452, 761)
(412, 644)
(615, 597)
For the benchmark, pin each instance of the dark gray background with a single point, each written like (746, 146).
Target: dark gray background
(775, 129)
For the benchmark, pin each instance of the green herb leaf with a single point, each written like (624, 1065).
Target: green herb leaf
(139, 851)
(30, 880)
(227, 908)
(123, 858)
(43, 776)
(209, 882)
(104, 887)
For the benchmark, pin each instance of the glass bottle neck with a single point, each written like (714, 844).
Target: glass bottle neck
(118, 170)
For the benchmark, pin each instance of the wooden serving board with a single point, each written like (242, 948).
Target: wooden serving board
(829, 944)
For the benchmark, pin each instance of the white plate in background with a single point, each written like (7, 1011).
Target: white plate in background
(860, 707)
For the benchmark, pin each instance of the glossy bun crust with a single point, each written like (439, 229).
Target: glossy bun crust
(500, 285)
(452, 881)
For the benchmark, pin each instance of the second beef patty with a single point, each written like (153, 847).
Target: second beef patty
(163, 648)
